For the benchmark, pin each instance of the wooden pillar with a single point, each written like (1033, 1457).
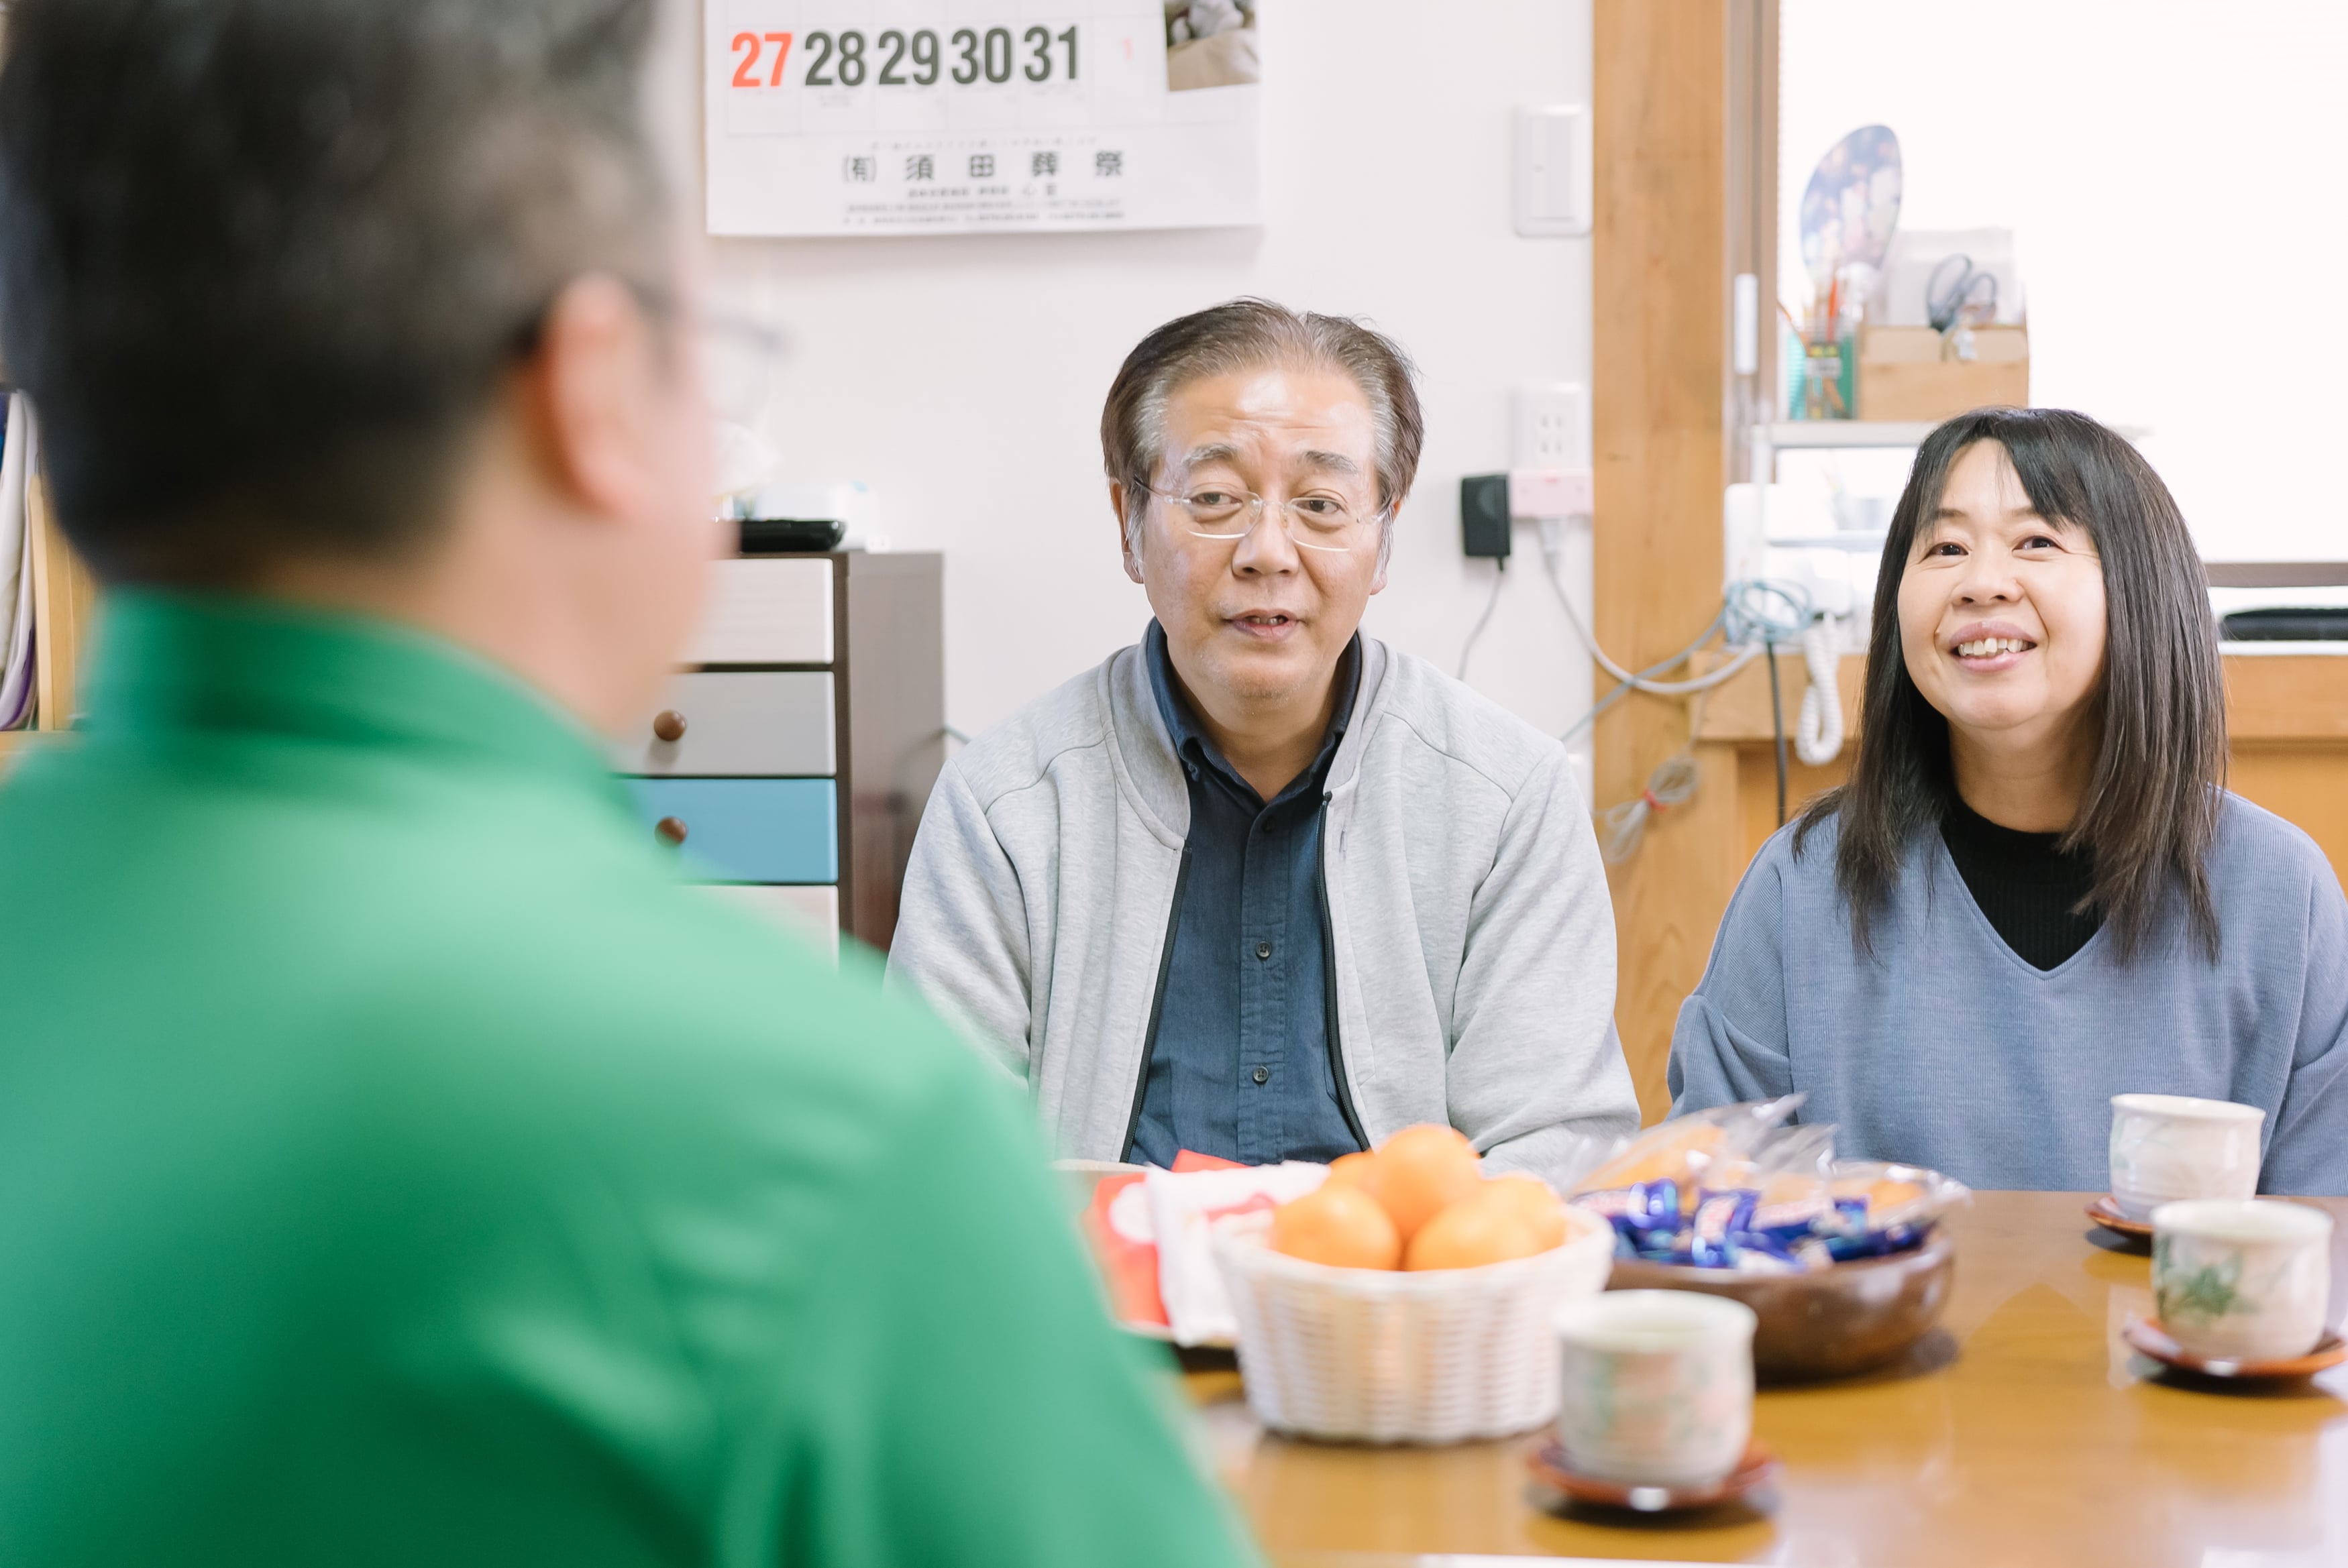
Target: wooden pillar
(64, 603)
(1660, 407)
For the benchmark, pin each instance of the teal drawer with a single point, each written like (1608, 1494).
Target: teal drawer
(750, 830)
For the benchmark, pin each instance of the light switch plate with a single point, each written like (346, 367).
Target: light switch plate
(1553, 170)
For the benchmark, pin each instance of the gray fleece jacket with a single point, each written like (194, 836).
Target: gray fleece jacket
(1471, 937)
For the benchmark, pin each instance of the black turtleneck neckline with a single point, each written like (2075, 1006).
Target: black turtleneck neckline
(2024, 884)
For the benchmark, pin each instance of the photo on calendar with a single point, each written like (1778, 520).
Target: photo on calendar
(1210, 44)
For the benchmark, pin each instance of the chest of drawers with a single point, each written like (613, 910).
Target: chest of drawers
(789, 761)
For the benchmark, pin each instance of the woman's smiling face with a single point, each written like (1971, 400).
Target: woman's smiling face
(2002, 612)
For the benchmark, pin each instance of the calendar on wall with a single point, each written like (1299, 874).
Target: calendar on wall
(961, 116)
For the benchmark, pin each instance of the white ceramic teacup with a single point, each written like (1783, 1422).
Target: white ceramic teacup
(1658, 1387)
(2241, 1279)
(2170, 1147)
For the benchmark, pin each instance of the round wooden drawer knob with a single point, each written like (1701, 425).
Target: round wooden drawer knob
(669, 830)
(668, 725)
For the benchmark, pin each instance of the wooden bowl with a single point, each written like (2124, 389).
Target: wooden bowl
(1829, 1324)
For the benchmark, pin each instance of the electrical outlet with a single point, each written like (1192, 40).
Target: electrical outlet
(1552, 426)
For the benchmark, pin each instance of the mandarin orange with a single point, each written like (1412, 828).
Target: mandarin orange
(1534, 1201)
(1359, 1170)
(1485, 1228)
(1339, 1225)
(1422, 1171)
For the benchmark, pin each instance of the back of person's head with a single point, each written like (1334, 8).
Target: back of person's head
(2149, 812)
(263, 261)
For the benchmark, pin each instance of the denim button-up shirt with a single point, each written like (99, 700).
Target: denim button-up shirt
(1241, 1063)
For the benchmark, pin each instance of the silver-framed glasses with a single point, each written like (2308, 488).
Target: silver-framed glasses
(1315, 521)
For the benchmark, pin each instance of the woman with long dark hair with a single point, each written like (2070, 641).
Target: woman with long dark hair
(2035, 892)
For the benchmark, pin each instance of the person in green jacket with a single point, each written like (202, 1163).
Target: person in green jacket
(398, 1164)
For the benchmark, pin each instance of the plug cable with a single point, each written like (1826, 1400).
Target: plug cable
(1552, 543)
(1818, 734)
(1500, 577)
(1622, 827)
(1778, 730)
(1745, 620)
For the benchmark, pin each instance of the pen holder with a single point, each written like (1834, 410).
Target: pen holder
(1822, 383)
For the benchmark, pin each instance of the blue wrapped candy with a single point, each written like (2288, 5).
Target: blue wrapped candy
(1731, 1188)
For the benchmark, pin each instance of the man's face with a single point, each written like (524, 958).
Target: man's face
(1258, 621)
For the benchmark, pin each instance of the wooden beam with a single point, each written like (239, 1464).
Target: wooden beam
(1659, 348)
(65, 604)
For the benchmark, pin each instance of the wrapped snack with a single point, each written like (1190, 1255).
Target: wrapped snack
(1790, 1175)
(1736, 1187)
(1886, 1207)
(1720, 1219)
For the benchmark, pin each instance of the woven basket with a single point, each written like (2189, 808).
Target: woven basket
(1361, 1355)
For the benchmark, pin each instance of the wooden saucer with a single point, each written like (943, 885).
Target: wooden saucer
(2105, 1213)
(1755, 1471)
(2150, 1338)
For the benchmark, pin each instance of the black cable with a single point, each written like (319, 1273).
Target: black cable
(1776, 723)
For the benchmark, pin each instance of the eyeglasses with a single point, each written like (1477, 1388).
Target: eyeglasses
(737, 357)
(738, 363)
(1314, 522)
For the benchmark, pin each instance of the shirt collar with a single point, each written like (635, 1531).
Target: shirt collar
(1192, 742)
(171, 661)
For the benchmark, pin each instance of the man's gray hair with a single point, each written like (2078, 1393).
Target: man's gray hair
(263, 263)
(1247, 334)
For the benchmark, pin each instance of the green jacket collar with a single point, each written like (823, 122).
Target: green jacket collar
(186, 662)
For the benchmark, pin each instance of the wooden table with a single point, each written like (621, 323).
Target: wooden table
(2022, 1432)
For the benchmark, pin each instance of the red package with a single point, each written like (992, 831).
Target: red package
(1127, 1263)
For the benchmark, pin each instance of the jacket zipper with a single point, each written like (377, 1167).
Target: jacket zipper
(1157, 1004)
(1329, 988)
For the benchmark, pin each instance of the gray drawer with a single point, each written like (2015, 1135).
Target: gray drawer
(741, 724)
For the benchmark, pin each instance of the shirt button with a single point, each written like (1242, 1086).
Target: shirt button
(1261, 1074)
(1263, 949)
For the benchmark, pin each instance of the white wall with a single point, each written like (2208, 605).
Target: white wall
(962, 377)
(2172, 171)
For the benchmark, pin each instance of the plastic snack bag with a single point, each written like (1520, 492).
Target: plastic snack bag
(1687, 1149)
(1736, 1187)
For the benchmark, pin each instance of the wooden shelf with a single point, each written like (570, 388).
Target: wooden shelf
(1845, 435)
(2286, 717)
(2269, 698)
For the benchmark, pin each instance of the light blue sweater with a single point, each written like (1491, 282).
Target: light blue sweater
(1946, 1050)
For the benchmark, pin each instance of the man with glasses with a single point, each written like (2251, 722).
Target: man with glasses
(398, 1164)
(1262, 887)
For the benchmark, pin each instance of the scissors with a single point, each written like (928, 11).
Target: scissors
(1947, 297)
